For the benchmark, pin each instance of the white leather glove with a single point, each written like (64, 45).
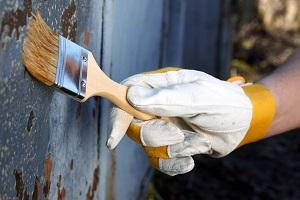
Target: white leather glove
(215, 117)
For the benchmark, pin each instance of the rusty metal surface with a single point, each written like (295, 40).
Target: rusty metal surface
(52, 147)
(48, 142)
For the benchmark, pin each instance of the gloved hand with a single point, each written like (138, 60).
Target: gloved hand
(213, 117)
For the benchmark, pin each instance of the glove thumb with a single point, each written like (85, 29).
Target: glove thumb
(120, 121)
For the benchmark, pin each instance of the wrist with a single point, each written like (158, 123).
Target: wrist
(272, 85)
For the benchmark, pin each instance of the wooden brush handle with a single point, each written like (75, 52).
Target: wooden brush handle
(117, 94)
(98, 84)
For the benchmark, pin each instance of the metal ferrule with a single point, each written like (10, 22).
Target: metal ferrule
(71, 72)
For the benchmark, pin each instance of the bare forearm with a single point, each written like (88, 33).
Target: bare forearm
(284, 84)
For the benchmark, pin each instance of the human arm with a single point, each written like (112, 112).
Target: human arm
(284, 84)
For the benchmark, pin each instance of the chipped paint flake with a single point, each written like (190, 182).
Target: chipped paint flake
(69, 22)
(36, 191)
(21, 190)
(61, 192)
(30, 121)
(13, 20)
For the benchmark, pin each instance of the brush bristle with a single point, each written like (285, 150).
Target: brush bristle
(40, 50)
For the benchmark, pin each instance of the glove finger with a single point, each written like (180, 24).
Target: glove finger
(155, 133)
(181, 100)
(167, 78)
(172, 101)
(194, 143)
(173, 166)
(119, 123)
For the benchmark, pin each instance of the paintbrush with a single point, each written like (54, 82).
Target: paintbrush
(56, 61)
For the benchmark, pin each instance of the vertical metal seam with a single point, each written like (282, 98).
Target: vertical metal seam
(225, 5)
(164, 32)
(219, 41)
(99, 102)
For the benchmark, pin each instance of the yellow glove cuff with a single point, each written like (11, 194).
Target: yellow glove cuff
(263, 112)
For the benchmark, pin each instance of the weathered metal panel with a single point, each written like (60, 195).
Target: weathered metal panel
(173, 33)
(132, 38)
(207, 36)
(48, 142)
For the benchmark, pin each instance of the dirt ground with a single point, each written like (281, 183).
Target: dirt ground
(267, 169)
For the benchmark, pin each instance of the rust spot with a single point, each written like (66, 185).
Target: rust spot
(90, 194)
(30, 121)
(47, 174)
(14, 19)
(21, 191)
(36, 191)
(71, 164)
(92, 188)
(110, 184)
(68, 21)
(19, 184)
(27, 7)
(78, 111)
(86, 38)
(95, 179)
(61, 193)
